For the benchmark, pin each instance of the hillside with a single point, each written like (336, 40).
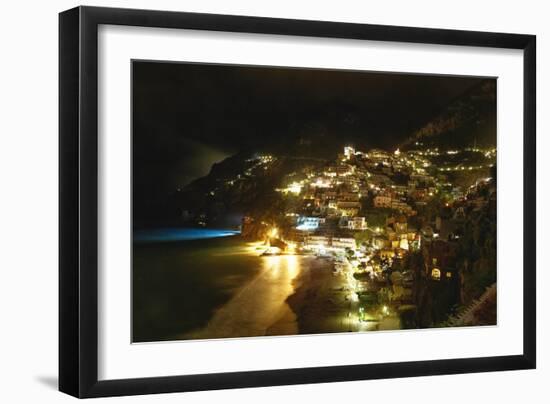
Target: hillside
(469, 120)
(239, 185)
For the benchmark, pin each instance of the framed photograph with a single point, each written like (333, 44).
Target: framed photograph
(251, 201)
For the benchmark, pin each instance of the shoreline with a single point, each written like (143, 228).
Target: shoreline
(318, 302)
(248, 296)
(258, 307)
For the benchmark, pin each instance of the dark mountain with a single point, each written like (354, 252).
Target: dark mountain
(470, 119)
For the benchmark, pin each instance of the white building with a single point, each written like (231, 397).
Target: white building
(309, 223)
(348, 152)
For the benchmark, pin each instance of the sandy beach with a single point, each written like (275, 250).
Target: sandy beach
(321, 300)
(292, 295)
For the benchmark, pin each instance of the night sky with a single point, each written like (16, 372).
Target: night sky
(188, 116)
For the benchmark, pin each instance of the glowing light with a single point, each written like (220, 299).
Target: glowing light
(292, 265)
(273, 250)
(295, 188)
(291, 248)
(305, 223)
(320, 184)
(436, 274)
(397, 152)
(274, 232)
(348, 152)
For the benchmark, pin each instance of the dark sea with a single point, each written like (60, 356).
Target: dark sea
(181, 276)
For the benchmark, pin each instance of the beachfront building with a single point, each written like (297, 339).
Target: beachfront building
(325, 243)
(344, 242)
(309, 223)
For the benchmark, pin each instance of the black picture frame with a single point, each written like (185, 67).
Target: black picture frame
(78, 205)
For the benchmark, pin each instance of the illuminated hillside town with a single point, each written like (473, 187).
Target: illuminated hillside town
(285, 201)
(393, 226)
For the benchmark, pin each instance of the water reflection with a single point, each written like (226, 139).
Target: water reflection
(292, 265)
(282, 269)
(260, 304)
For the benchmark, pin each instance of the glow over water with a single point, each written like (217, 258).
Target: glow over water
(180, 234)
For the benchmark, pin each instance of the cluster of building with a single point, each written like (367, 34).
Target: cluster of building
(370, 210)
(336, 197)
(336, 200)
(256, 164)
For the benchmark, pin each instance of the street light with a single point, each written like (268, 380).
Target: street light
(273, 232)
